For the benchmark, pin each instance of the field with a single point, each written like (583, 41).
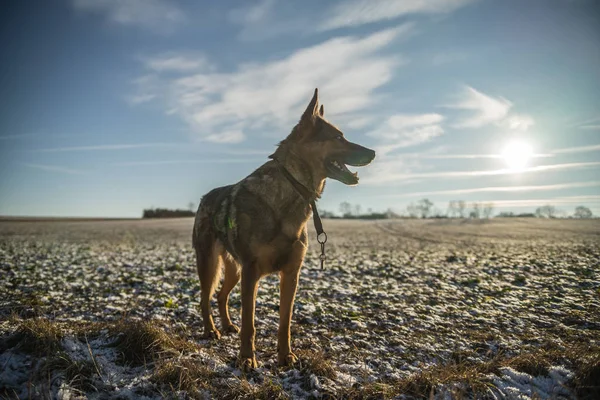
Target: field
(506, 308)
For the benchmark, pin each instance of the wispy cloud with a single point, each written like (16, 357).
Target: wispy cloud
(53, 168)
(493, 189)
(485, 109)
(272, 94)
(140, 98)
(403, 130)
(404, 176)
(580, 149)
(266, 19)
(361, 12)
(19, 136)
(177, 62)
(590, 127)
(176, 162)
(107, 147)
(557, 201)
(462, 156)
(154, 15)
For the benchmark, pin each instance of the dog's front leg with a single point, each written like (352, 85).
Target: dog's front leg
(250, 279)
(287, 284)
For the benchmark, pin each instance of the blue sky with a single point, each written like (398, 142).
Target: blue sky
(111, 106)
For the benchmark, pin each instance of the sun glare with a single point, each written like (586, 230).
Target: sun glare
(516, 155)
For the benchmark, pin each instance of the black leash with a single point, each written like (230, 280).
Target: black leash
(307, 195)
(320, 231)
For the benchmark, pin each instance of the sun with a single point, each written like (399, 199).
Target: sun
(516, 155)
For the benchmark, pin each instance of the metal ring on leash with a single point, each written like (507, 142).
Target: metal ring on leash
(323, 241)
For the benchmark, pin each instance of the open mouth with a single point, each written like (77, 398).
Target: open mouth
(336, 165)
(337, 170)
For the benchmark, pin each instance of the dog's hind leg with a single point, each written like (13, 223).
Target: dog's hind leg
(209, 271)
(232, 277)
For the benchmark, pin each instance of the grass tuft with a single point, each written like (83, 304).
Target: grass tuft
(183, 374)
(315, 362)
(38, 336)
(143, 342)
(79, 374)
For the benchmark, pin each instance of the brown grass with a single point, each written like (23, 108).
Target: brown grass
(183, 374)
(268, 390)
(142, 342)
(468, 379)
(78, 374)
(38, 336)
(315, 362)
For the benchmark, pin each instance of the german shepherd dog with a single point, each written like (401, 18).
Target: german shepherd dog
(258, 226)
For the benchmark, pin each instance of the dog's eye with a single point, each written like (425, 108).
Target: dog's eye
(340, 137)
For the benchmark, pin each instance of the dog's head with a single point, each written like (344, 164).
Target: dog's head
(322, 145)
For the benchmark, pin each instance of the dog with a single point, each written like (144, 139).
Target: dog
(258, 226)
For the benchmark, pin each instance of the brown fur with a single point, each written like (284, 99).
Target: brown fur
(258, 226)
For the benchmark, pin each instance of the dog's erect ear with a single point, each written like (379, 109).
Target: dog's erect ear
(313, 107)
(321, 110)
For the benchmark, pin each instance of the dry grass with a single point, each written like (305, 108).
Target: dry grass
(586, 382)
(38, 336)
(268, 390)
(79, 374)
(183, 374)
(142, 342)
(469, 380)
(315, 362)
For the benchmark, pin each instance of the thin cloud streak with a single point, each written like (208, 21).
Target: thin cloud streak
(492, 189)
(581, 149)
(362, 12)
(460, 174)
(10, 137)
(462, 156)
(53, 168)
(567, 200)
(155, 15)
(105, 147)
(175, 162)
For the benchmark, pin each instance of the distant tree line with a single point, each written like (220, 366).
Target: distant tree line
(166, 213)
(425, 208)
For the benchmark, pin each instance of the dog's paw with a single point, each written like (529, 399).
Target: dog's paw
(213, 334)
(247, 364)
(230, 329)
(284, 360)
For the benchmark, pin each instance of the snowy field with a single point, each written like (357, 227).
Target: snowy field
(403, 309)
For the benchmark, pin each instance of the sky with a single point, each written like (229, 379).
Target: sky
(112, 106)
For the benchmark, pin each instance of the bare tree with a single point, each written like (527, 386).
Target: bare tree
(547, 211)
(390, 214)
(488, 209)
(345, 208)
(475, 211)
(424, 207)
(462, 206)
(412, 210)
(191, 206)
(357, 209)
(452, 208)
(582, 212)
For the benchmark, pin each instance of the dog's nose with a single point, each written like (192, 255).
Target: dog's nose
(371, 154)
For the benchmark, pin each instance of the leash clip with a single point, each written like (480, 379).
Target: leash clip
(322, 242)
